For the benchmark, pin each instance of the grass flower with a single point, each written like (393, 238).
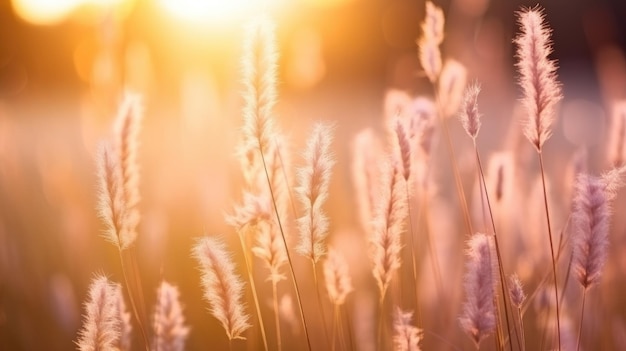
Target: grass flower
(170, 332)
(478, 318)
(223, 289)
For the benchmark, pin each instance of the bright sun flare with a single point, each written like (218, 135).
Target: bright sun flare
(210, 10)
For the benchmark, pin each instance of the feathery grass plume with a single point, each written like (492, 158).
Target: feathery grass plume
(613, 180)
(538, 77)
(254, 210)
(391, 214)
(126, 328)
(452, 82)
(337, 276)
(259, 75)
(516, 291)
(406, 337)
(366, 151)
(278, 162)
(269, 247)
(404, 148)
(470, 117)
(126, 133)
(223, 289)
(111, 205)
(170, 332)
(479, 318)
(616, 152)
(101, 326)
(590, 239)
(428, 45)
(314, 180)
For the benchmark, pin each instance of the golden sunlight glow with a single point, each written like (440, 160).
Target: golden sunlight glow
(44, 11)
(48, 12)
(211, 10)
(326, 3)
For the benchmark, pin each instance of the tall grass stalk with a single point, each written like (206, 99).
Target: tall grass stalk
(279, 342)
(319, 302)
(556, 287)
(254, 290)
(503, 283)
(582, 314)
(260, 67)
(282, 233)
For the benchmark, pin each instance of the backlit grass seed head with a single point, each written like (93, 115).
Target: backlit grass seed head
(312, 190)
(478, 318)
(590, 240)
(126, 328)
(537, 76)
(223, 289)
(337, 276)
(406, 337)
(271, 249)
(388, 226)
(101, 324)
(516, 291)
(259, 77)
(112, 208)
(170, 332)
(470, 117)
(428, 44)
(404, 148)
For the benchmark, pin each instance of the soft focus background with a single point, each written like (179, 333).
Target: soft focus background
(64, 65)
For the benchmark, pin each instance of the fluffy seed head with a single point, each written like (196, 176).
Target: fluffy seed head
(170, 332)
(271, 249)
(591, 219)
(406, 337)
(259, 75)
(101, 324)
(537, 74)
(126, 328)
(404, 148)
(337, 276)
(312, 190)
(478, 318)
(388, 227)
(470, 117)
(516, 291)
(428, 45)
(223, 289)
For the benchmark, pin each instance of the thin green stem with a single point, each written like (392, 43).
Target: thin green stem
(291, 270)
(254, 292)
(556, 286)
